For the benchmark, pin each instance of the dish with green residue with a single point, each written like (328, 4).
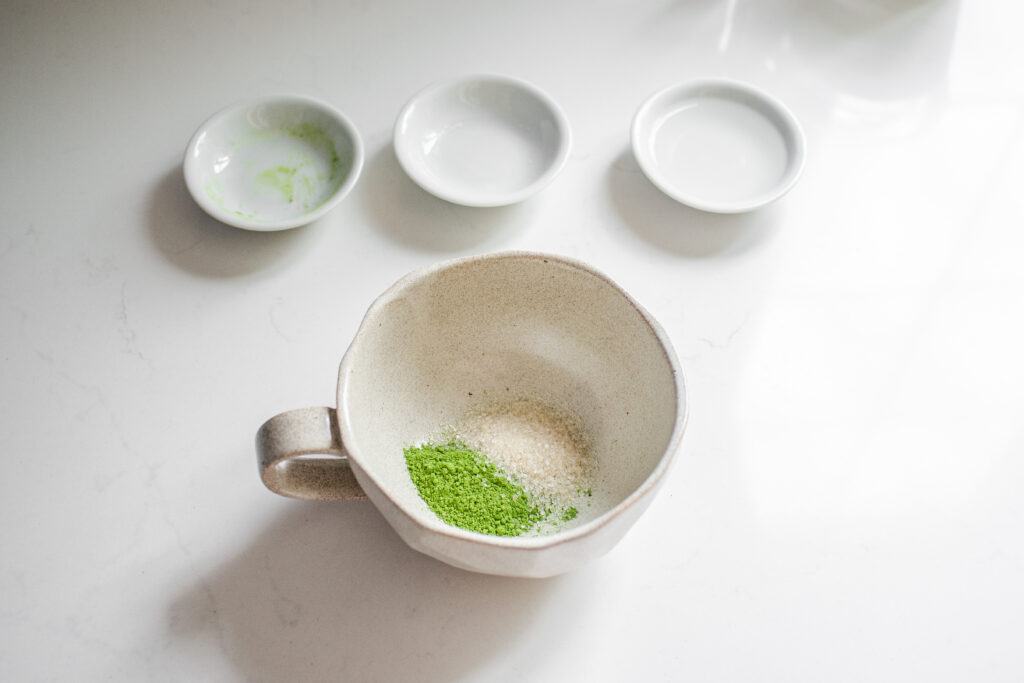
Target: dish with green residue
(273, 163)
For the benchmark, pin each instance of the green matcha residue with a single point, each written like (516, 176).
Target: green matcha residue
(466, 490)
(282, 179)
(317, 138)
(302, 180)
(215, 191)
(310, 167)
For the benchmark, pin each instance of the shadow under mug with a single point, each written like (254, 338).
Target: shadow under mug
(448, 339)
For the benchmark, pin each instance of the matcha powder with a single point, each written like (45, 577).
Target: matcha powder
(466, 490)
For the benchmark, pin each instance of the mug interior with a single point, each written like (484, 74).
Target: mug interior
(480, 331)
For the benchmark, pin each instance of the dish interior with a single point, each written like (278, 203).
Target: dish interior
(273, 162)
(719, 149)
(479, 141)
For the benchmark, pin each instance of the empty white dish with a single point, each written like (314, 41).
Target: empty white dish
(273, 163)
(482, 140)
(718, 145)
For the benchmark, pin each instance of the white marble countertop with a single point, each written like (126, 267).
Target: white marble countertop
(847, 502)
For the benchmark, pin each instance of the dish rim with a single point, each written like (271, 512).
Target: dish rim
(759, 101)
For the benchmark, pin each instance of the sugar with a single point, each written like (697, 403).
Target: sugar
(539, 446)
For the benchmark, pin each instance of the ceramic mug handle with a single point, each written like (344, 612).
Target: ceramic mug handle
(300, 455)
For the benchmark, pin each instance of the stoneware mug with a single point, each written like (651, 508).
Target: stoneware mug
(441, 341)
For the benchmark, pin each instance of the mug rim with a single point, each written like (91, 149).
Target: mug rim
(639, 493)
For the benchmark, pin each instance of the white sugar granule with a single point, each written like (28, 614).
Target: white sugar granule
(538, 446)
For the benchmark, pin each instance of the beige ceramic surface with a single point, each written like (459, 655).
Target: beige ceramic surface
(468, 332)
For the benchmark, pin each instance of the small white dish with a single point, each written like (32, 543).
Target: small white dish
(718, 145)
(482, 140)
(273, 163)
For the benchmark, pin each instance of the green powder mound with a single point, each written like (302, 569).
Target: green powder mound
(466, 490)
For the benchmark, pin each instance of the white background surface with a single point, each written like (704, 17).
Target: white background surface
(847, 502)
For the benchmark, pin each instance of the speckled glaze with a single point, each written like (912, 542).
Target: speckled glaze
(456, 335)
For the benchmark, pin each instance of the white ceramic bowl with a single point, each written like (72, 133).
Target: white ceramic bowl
(273, 163)
(482, 140)
(718, 145)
